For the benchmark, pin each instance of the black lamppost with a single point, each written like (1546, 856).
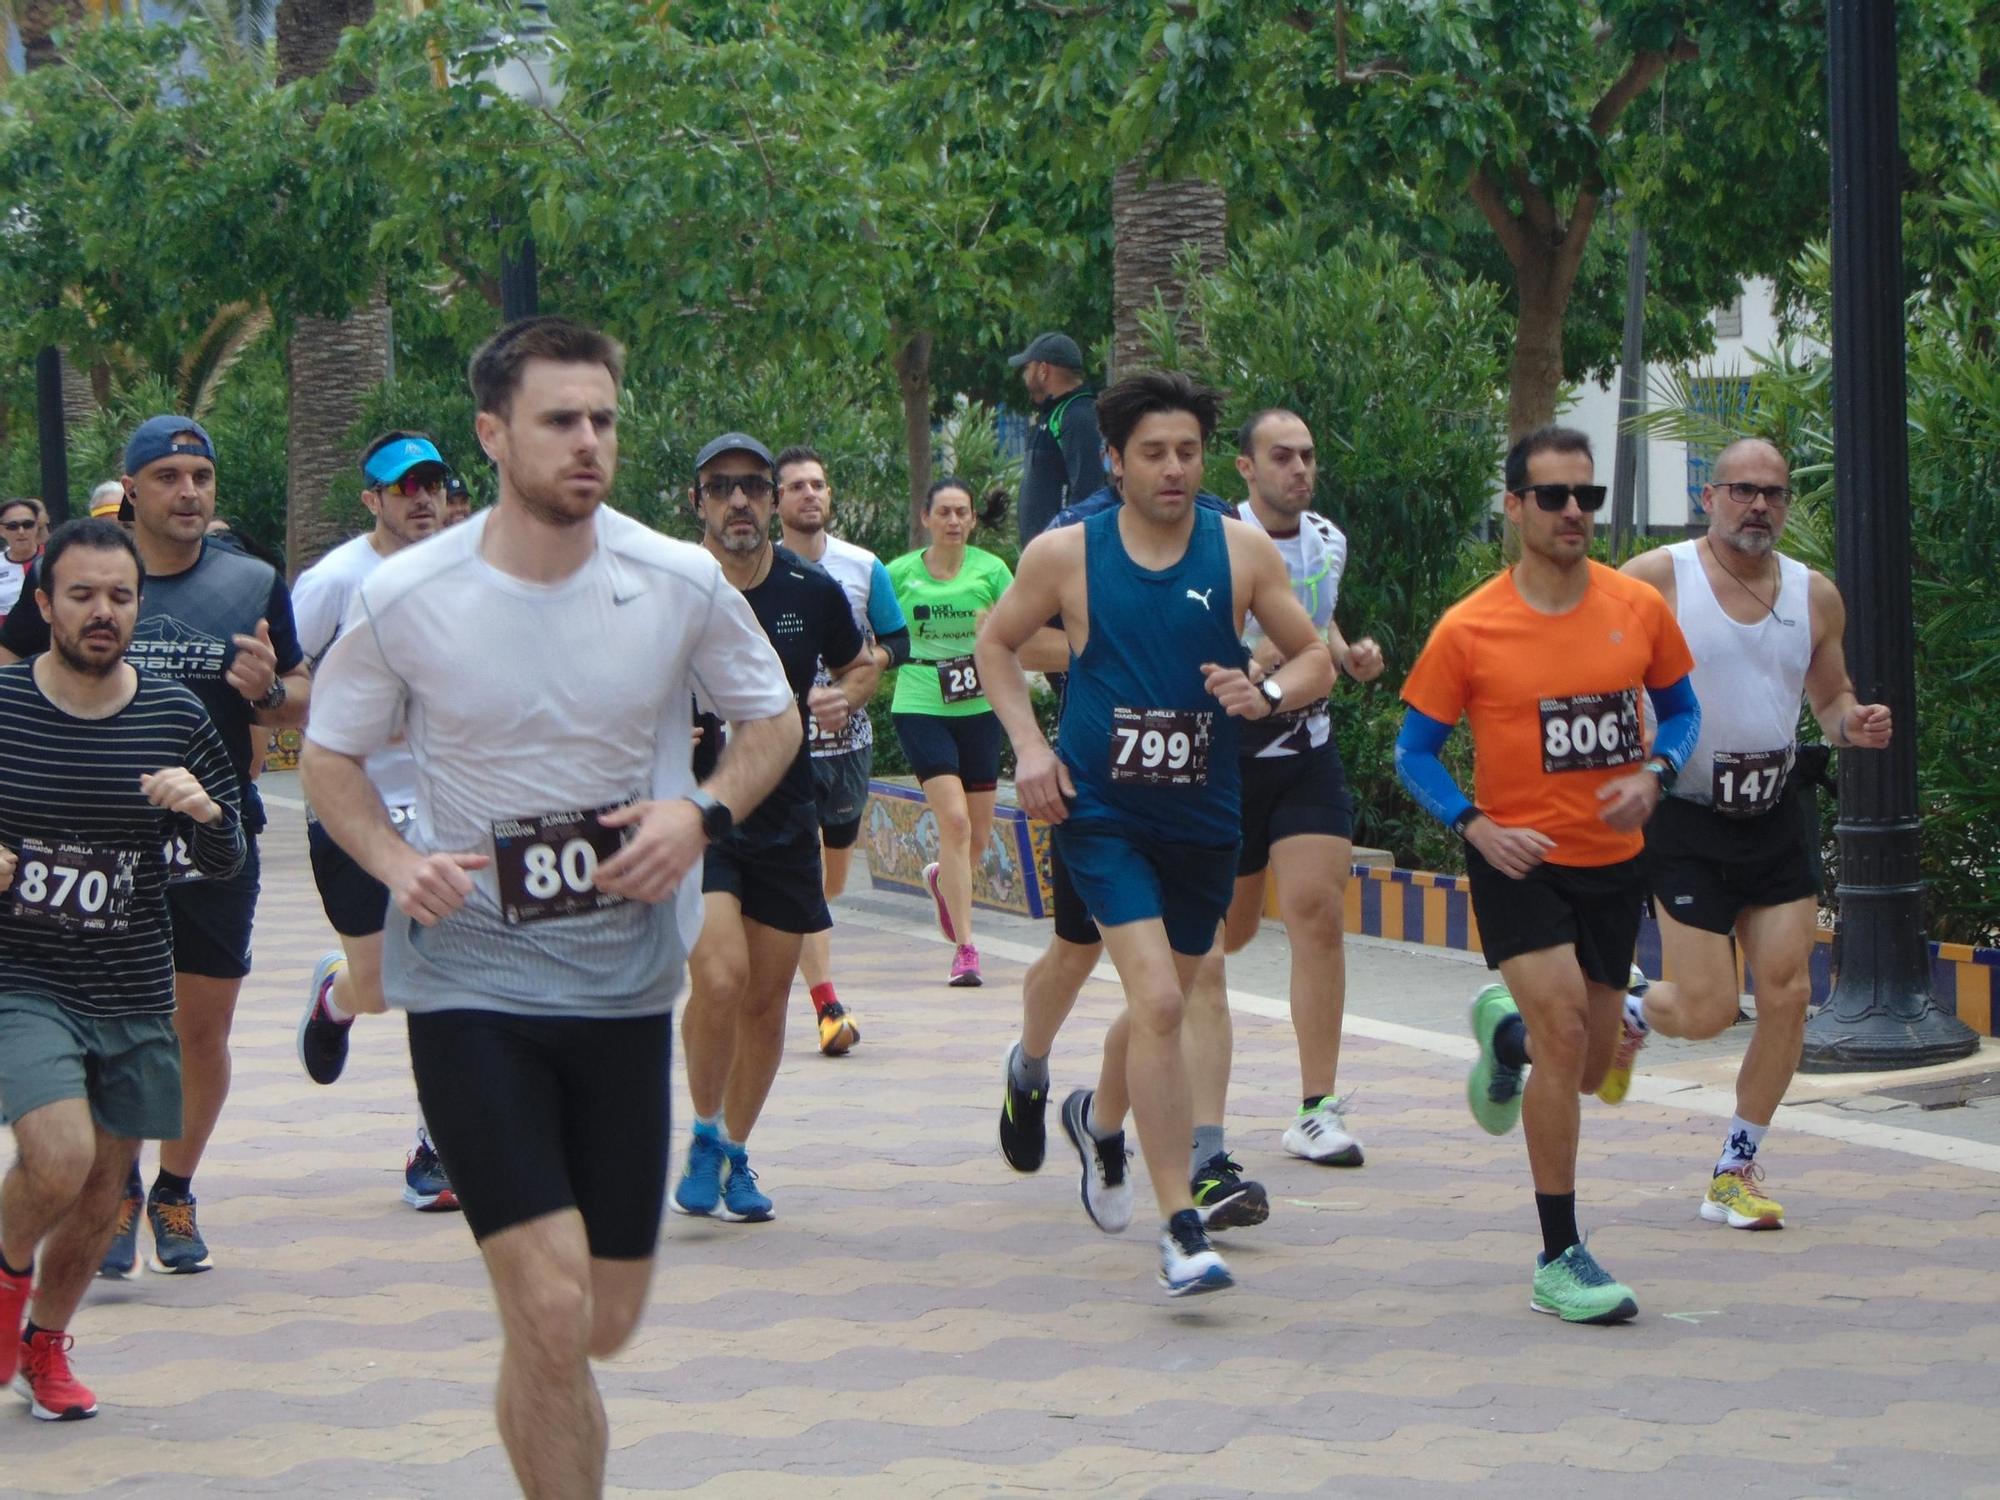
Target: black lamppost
(528, 75)
(1882, 1013)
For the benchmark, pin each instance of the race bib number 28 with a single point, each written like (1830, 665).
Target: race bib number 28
(1159, 746)
(547, 866)
(78, 887)
(1591, 731)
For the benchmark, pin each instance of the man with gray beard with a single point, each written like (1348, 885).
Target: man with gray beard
(1730, 846)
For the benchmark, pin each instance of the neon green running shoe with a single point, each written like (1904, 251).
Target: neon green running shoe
(1577, 1289)
(1493, 1088)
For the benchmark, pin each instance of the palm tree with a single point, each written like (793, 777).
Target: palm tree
(332, 363)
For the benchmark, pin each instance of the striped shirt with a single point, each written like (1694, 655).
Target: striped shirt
(85, 835)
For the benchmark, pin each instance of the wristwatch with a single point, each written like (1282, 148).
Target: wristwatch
(1663, 769)
(1273, 694)
(274, 699)
(716, 819)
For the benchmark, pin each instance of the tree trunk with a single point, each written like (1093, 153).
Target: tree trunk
(1152, 223)
(913, 379)
(332, 363)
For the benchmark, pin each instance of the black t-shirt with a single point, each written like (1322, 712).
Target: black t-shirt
(186, 620)
(806, 617)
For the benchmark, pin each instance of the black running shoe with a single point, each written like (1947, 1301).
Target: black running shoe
(1225, 1198)
(1024, 1135)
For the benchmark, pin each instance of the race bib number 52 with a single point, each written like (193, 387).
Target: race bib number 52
(1159, 746)
(1591, 731)
(78, 887)
(546, 865)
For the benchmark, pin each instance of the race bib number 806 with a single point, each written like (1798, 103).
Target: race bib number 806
(1591, 731)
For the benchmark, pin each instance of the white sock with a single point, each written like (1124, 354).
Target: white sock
(1635, 1012)
(1739, 1149)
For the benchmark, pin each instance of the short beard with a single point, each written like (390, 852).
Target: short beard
(73, 658)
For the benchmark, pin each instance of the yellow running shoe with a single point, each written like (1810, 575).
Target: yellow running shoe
(837, 1031)
(1618, 1081)
(1733, 1199)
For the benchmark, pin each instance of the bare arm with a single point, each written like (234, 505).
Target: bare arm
(1843, 719)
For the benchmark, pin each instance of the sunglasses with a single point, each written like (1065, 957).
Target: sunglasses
(410, 485)
(1555, 497)
(754, 487)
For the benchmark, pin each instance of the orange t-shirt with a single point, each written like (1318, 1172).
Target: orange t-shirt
(1553, 701)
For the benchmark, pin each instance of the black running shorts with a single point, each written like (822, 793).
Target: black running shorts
(536, 1114)
(1706, 870)
(1594, 908)
(1287, 795)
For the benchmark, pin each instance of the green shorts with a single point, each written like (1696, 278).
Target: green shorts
(128, 1067)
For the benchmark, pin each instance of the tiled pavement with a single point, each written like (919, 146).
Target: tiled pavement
(920, 1321)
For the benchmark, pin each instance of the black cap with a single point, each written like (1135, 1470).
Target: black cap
(1051, 349)
(732, 442)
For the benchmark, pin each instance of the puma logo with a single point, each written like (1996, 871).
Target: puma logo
(1202, 597)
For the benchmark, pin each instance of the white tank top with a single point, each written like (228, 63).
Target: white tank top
(1750, 678)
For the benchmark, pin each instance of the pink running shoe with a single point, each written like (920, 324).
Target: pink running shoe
(965, 968)
(943, 912)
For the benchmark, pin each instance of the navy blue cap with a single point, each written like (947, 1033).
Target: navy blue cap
(732, 442)
(166, 437)
(393, 460)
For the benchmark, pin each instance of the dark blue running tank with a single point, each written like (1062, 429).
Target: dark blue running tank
(1150, 751)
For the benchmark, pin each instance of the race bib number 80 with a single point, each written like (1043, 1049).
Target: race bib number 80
(1159, 746)
(546, 866)
(1591, 731)
(78, 887)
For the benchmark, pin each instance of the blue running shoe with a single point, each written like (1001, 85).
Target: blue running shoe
(121, 1261)
(178, 1248)
(700, 1189)
(742, 1201)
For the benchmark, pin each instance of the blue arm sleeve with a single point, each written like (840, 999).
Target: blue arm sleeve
(1679, 712)
(1423, 775)
(885, 612)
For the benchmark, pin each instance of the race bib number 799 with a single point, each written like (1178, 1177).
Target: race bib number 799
(1591, 731)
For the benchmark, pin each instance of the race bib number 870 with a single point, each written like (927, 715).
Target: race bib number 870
(547, 866)
(1591, 731)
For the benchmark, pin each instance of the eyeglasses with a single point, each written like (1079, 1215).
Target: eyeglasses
(1554, 497)
(410, 485)
(754, 486)
(18, 525)
(1777, 496)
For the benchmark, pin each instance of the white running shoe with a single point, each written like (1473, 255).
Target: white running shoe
(1319, 1135)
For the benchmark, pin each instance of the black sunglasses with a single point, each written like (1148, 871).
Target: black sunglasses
(1554, 497)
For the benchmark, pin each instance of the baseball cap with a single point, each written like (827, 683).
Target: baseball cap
(1052, 349)
(732, 442)
(394, 459)
(164, 437)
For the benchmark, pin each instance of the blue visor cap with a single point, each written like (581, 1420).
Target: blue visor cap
(398, 458)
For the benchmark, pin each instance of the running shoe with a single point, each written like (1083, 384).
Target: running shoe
(943, 911)
(1577, 1289)
(1024, 1135)
(426, 1187)
(1733, 1199)
(1225, 1198)
(1189, 1265)
(965, 968)
(1618, 1081)
(54, 1394)
(699, 1191)
(837, 1031)
(742, 1201)
(14, 1294)
(178, 1248)
(1320, 1135)
(323, 1040)
(1493, 1088)
(1105, 1189)
(121, 1260)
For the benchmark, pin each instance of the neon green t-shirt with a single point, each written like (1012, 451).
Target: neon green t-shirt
(941, 615)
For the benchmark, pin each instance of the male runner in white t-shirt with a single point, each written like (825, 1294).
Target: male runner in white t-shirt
(540, 661)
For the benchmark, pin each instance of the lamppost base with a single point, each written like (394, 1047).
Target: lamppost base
(1879, 1042)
